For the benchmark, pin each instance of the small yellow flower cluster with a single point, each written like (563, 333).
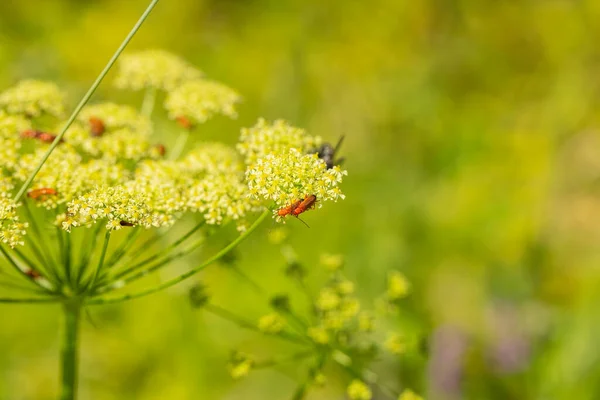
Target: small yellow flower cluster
(358, 390)
(408, 394)
(155, 69)
(271, 323)
(395, 344)
(33, 98)
(115, 117)
(199, 100)
(398, 286)
(67, 174)
(11, 230)
(219, 190)
(240, 365)
(118, 206)
(337, 310)
(212, 158)
(289, 176)
(264, 139)
(10, 127)
(333, 262)
(112, 131)
(165, 186)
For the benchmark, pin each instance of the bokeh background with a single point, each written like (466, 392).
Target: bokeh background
(473, 148)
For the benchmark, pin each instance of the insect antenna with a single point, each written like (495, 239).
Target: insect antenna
(302, 221)
(339, 144)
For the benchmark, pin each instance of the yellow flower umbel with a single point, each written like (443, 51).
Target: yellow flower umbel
(10, 128)
(11, 229)
(290, 176)
(398, 286)
(358, 390)
(271, 323)
(199, 100)
(33, 98)
(240, 365)
(408, 394)
(154, 69)
(115, 205)
(114, 117)
(276, 138)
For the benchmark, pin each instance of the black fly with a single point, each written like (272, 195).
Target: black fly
(326, 152)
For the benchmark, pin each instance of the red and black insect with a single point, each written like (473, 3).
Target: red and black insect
(33, 274)
(41, 192)
(282, 212)
(298, 207)
(184, 122)
(326, 152)
(307, 204)
(40, 135)
(97, 127)
(161, 149)
(125, 223)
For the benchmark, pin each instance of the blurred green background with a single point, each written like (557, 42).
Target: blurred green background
(473, 151)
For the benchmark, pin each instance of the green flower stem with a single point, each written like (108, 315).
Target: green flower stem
(87, 254)
(16, 286)
(276, 361)
(68, 254)
(257, 288)
(70, 348)
(165, 261)
(242, 323)
(148, 102)
(98, 270)
(302, 389)
(85, 99)
(30, 300)
(193, 271)
(149, 242)
(125, 246)
(43, 248)
(165, 251)
(180, 144)
(46, 273)
(16, 267)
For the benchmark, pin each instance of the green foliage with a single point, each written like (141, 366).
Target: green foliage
(471, 136)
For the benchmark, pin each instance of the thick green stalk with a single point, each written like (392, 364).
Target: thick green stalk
(182, 277)
(84, 100)
(69, 353)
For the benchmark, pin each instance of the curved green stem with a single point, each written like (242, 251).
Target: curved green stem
(193, 271)
(85, 99)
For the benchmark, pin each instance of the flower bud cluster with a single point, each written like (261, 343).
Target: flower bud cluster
(199, 100)
(33, 98)
(154, 69)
